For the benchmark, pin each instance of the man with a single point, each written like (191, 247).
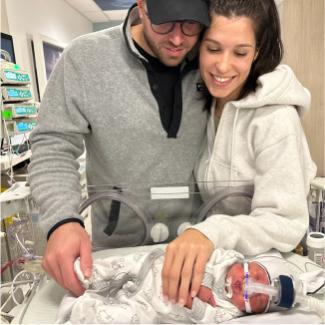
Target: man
(129, 95)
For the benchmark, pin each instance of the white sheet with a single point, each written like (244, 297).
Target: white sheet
(44, 306)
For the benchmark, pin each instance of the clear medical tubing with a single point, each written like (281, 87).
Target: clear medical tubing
(255, 287)
(312, 304)
(301, 300)
(114, 195)
(307, 302)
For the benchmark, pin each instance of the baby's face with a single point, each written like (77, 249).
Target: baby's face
(258, 301)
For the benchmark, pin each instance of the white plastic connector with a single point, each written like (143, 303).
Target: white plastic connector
(159, 232)
(182, 227)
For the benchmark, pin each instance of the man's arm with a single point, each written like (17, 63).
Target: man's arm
(54, 178)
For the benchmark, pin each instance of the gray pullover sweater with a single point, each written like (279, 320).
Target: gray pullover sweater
(99, 97)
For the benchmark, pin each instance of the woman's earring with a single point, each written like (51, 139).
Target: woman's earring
(256, 55)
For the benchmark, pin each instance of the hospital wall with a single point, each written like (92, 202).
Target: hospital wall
(4, 18)
(302, 30)
(54, 19)
(303, 33)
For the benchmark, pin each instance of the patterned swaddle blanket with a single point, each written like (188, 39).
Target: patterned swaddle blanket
(127, 289)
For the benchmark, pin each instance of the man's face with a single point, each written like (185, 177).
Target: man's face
(171, 48)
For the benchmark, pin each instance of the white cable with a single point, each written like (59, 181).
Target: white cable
(28, 301)
(311, 263)
(29, 214)
(22, 246)
(290, 262)
(13, 284)
(8, 284)
(10, 155)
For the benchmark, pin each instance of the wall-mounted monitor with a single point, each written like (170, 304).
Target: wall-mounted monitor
(7, 44)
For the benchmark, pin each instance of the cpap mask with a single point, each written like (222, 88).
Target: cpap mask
(164, 212)
(284, 292)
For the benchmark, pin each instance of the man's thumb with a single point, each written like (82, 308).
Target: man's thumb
(86, 261)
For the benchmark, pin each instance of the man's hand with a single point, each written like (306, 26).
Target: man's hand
(184, 265)
(65, 245)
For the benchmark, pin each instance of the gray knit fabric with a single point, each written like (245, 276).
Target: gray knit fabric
(99, 96)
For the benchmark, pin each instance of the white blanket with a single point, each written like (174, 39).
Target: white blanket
(127, 289)
(44, 307)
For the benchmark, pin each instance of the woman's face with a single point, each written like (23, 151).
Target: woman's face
(235, 275)
(227, 52)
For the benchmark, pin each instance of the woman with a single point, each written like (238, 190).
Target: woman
(254, 134)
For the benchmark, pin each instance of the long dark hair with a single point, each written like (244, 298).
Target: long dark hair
(266, 23)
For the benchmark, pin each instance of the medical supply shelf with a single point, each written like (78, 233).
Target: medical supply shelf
(18, 115)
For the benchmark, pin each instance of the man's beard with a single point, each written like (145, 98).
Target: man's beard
(158, 54)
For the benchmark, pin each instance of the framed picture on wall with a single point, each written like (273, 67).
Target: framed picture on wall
(52, 54)
(7, 45)
(46, 52)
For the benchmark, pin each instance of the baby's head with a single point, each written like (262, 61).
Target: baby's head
(262, 270)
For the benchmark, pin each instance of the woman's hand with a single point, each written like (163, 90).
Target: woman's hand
(184, 265)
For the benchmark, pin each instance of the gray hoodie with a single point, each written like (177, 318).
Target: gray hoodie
(260, 146)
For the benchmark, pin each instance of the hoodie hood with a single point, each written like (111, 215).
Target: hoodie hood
(279, 87)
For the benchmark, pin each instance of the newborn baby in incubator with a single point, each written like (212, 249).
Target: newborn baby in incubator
(127, 289)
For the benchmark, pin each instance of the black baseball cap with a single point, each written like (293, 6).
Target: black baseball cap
(164, 11)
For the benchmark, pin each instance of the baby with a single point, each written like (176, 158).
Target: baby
(127, 289)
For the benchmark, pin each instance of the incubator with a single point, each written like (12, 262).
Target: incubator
(158, 214)
(161, 213)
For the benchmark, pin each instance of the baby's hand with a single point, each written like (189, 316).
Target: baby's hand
(205, 294)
